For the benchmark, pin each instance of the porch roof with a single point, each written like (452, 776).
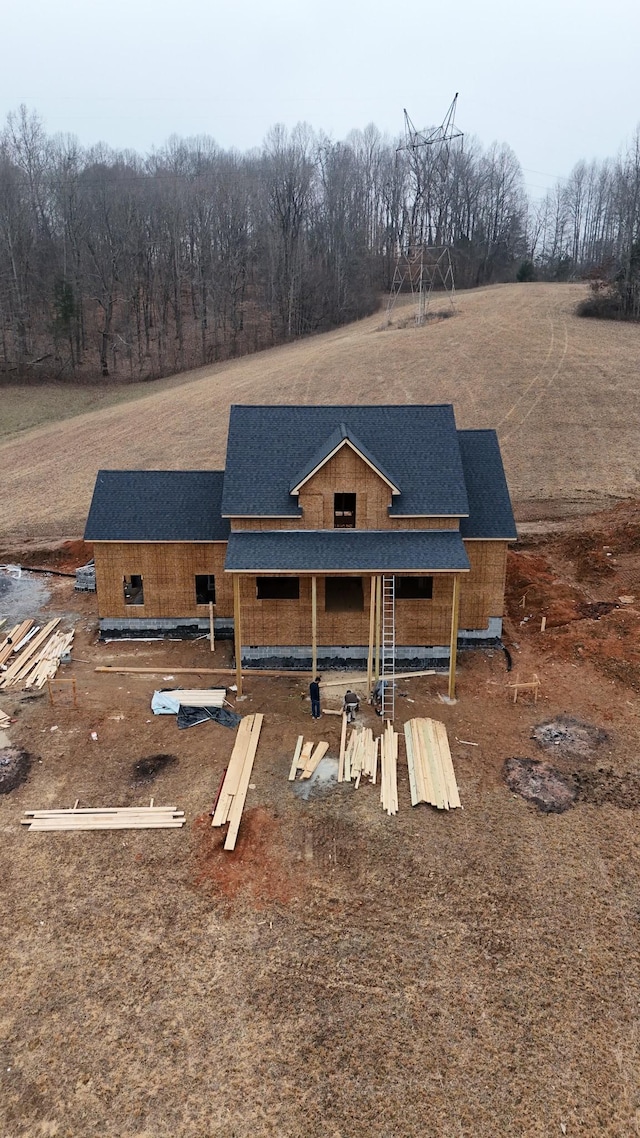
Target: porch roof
(346, 551)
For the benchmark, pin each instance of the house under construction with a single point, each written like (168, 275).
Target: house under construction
(333, 533)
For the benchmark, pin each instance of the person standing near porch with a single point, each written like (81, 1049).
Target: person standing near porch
(314, 692)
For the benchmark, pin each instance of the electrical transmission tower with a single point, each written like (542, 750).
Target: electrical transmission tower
(423, 258)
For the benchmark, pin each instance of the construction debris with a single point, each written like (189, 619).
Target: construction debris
(431, 775)
(110, 818)
(236, 781)
(29, 656)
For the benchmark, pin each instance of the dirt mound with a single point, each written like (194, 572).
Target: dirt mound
(594, 553)
(539, 783)
(14, 768)
(256, 867)
(569, 738)
(146, 769)
(531, 579)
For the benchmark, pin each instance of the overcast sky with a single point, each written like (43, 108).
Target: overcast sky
(558, 80)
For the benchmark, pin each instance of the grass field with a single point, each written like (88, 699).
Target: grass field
(562, 392)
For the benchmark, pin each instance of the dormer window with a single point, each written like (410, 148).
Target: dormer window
(344, 511)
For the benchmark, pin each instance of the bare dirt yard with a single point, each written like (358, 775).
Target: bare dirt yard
(561, 391)
(341, 973)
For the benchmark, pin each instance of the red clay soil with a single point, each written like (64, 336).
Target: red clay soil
(256, 867)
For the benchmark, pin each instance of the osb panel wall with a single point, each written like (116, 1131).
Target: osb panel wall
(289, 622)
(168, 574)
(317, 511)
(482, 590)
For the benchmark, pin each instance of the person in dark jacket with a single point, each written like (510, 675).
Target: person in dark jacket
(314, 692)
(351, 705)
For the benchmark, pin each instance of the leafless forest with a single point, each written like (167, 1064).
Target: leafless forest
(126, 267)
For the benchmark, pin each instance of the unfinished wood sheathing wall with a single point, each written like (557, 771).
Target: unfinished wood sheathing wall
(482, 590)
(289, 622)
(168, 571)
(345, 473)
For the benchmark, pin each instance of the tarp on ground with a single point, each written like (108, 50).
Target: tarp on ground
(189, 716)
(164, 703)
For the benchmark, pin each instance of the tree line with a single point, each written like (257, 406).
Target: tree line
(121, 266)
(588, 226)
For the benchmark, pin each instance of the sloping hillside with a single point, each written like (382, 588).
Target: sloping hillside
(562, 392)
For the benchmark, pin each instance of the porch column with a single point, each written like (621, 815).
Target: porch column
(237, 631)
(314, 627)
(376, 670)
(453, 646)
(372, 621)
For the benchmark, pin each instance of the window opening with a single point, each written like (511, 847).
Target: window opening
(133, 590)
(414, 588)
(344, 511)
(343, 594)
(205, 588)
(278, 588)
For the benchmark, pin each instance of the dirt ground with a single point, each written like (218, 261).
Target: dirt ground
(342, 973)
(561, 391)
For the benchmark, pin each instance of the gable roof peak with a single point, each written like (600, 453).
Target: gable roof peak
(336, 440)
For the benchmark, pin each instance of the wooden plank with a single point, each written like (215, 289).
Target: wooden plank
(313, 761)
(433, 757)
(424, 779)
(376, 667)
(453, 645)
(372, 619)
(411, 765)
(234, 770)
(314, 626)
(212, 628)
(237, 631)
(163, 669)
(343, 739)
(235, 814)
(296, 756)
(447, 763)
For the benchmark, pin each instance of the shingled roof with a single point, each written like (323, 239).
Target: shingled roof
(349, 551)
(490, 512)
(157, 505)
(269, 447)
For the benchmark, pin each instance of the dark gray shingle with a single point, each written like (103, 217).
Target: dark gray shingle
(490, 512)
(333, 551)
(268, 447)
(157, 505)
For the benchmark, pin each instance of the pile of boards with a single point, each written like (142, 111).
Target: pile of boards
(431, 775)
(360, 758)
(30, 655)
(306, 758)
(110, 818)
(233, 791)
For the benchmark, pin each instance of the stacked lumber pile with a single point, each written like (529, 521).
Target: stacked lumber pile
(306, 758)
(29, 656)
(233, 791)
(389, 769)
(431, 775)
(110, 818)
(360, 757)
(4, 720)
(198, 697)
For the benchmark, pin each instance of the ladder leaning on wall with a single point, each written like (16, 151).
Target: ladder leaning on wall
(388, 646)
